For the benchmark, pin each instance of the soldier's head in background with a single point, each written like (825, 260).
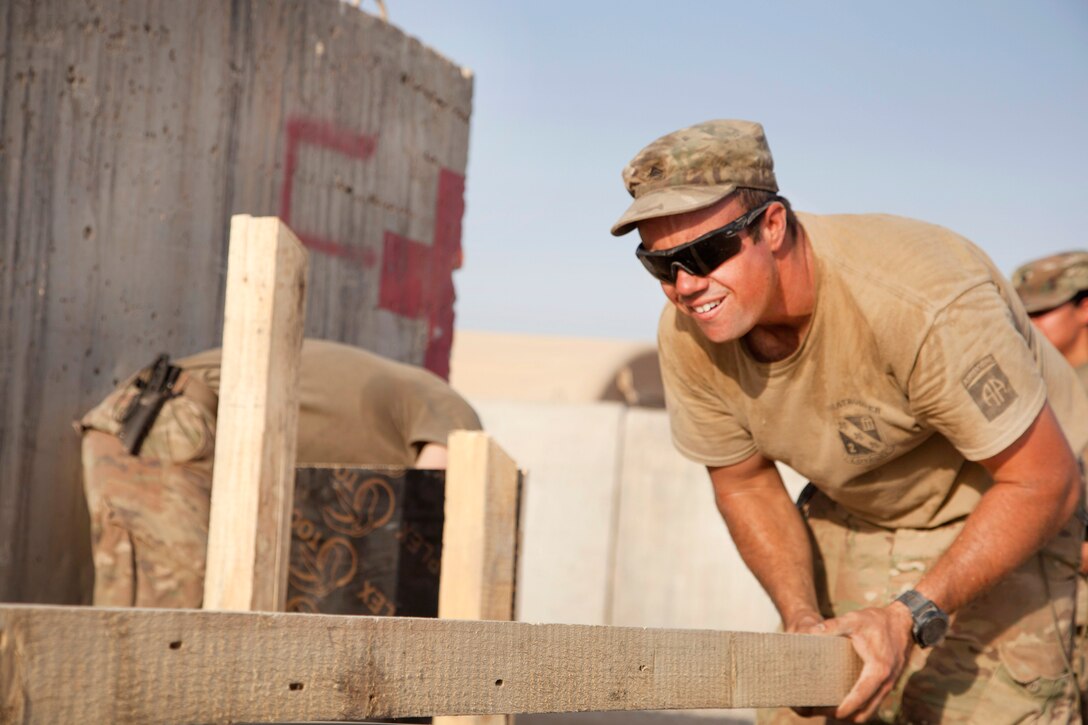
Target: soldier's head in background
(1054, 290)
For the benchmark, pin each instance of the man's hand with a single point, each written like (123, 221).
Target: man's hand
(882, 638)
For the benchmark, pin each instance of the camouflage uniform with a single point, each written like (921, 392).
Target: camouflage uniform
(1044, 284)
(1005, 658)
(149, 513)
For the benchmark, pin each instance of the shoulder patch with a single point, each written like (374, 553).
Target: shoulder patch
(989, 387)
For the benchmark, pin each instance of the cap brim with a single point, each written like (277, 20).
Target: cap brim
(1042, 302)
(668, 201)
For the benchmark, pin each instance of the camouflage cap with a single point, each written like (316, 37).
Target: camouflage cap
(1051, 281)
(694, 167)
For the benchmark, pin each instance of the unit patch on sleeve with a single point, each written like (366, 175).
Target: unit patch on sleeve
(989, 387)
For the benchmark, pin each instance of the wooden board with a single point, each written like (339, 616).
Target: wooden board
(480, 539)
(249, 528)
(81, 664)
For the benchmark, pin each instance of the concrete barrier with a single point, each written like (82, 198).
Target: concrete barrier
(566, 556)
(131, 132)
(617, 527)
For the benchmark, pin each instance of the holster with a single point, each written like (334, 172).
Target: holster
(156, 385)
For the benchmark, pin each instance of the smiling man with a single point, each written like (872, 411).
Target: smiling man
(889, 362)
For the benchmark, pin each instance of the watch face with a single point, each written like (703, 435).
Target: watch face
(932, 630)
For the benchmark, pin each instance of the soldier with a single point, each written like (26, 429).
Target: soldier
(149, 512)
(884, 359)
(1054, 291)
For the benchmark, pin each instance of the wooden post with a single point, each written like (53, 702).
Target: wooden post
(479, 539)
(249, 531)
(174, 666)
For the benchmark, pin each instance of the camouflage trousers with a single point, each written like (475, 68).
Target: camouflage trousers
(1080, 659)
(1008, 655)
(149, 513)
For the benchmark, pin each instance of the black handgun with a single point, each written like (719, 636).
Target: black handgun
(156, 386)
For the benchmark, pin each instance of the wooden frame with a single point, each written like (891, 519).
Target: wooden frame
(72, 664)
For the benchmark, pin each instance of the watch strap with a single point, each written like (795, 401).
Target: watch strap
(924, 614)
(916, 603)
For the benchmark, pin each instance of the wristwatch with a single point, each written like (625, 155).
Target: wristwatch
(930, 623)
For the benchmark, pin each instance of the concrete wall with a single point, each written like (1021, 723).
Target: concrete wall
(130, 132)
(617, 527)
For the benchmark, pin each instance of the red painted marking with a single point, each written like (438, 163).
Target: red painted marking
(416, 278)
(323, 135)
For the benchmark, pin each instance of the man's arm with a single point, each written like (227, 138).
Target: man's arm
(1035, 491)
(770, 535)
(432, 455)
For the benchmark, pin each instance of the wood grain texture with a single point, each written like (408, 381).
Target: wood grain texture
(249, 529)
(80, 664)
(130, 132)
(480, 538)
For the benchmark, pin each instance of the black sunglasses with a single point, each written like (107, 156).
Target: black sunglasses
(700, 256)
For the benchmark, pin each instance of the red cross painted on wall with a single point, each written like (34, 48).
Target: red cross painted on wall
(416, 278)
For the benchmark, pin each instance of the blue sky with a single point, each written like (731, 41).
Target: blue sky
(968, 114)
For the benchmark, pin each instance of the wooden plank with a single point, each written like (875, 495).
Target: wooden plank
(83, 664)
(479, 539)
(249, 530)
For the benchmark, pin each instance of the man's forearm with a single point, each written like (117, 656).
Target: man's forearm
(773, 541)
(776, 549)
(1036, 490)
(1009, 524)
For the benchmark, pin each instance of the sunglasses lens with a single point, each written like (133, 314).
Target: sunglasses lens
(714, 251)
(702, 256)
(659, 267)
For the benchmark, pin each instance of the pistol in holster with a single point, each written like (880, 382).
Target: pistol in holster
(156, 386)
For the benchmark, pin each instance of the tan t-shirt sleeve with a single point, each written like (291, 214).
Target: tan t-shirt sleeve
(431, 411)
(704, 428)
(976, 380)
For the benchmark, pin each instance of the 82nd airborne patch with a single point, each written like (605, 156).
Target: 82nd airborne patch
(989, 387)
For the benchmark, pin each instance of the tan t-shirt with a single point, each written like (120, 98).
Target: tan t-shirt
(1082, 375)
(359, 408)
(919, 360)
